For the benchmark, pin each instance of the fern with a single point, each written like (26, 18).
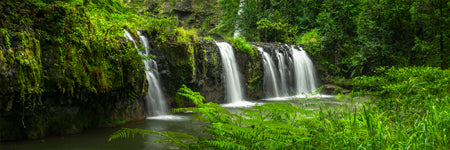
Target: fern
(126, 133)
(223, 145)
(283, 125)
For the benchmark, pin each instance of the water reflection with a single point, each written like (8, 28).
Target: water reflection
(98, 138)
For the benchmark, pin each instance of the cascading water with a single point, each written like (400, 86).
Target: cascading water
(283, 74)
(233, 87)
(271, 88)
(305, 78)
(155, 102)
(128, 36)
(296, 74)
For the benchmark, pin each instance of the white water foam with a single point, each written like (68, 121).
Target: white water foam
(302, 96)
(169, 118)
(241, 104)
(233, 87)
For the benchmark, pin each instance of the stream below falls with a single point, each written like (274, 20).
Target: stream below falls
(98, 138)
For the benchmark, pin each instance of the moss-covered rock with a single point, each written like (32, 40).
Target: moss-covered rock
(251, 66)
(61, 72)
(186, 59)
(199, 14)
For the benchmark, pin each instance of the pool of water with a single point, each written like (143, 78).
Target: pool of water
(98, 138)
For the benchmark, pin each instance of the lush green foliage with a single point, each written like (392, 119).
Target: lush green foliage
(412, 110)
(67, 47)
(351, 37)
(82, 45)
(241, 45)
(409, 90)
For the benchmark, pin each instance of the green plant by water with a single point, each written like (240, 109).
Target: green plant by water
(409, 110)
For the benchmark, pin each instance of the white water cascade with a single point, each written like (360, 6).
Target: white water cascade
(271, 88)
(128, 36)
(154, 100)
(305, 78)
(283, 75)
(233, 87)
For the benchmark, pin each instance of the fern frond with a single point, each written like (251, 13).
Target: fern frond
(127, 133)
(223, 145)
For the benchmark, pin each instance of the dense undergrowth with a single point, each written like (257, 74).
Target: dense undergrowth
(410, 109)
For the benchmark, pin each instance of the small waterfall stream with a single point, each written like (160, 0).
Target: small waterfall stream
(283, 75)
(128, 36)
(155, 103)
(294, 74)
(271, 88)
(305, 78)
(154, 100)
(233, 87)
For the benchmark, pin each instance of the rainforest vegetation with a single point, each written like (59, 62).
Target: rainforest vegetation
(349, 37)
(394, 52)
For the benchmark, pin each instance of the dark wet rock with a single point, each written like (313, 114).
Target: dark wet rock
(205, 77)
(59, 114)
(252, 74)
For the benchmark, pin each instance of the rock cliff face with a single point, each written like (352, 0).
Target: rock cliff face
(252, 73)
(203, 74)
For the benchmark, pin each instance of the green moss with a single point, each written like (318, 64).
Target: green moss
(79, 50)
(241, 45)
(255, 69)
(180, 50)
(25, 57)
(4, 37)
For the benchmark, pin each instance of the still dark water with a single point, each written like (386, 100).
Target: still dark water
(97, 139)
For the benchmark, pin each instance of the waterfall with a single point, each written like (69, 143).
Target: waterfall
(128, 36)
(237, 30)
(271, 88)
(305, 78)
(233, 87)
(155, 102)
(282, 68)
